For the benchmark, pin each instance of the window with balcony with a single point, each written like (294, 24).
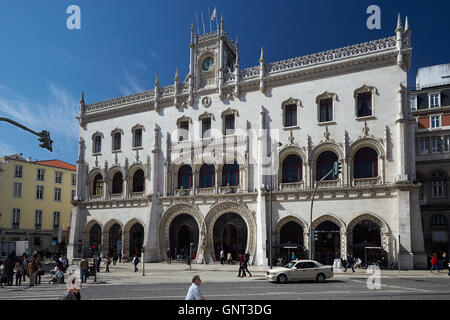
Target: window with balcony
(229, 124)
(185, 177)
(365, 163)
(230, 174)
(18, 171)
(97, 185)
(139, 181)
(292, 169)
(40, 174)
(325, 162)
(206, 127)
(16, 218)
(207, 176)
(38, 219)
(117, 183)
(39, 192)
(183, 131)
(56, 218)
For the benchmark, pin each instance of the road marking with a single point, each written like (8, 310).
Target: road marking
(396, 287)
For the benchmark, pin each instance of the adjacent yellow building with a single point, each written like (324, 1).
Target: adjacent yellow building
(35, 202)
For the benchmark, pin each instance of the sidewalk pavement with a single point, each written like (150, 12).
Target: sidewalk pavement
(177, 272)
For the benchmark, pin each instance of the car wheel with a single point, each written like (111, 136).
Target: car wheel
(282, 278)
(320, 278)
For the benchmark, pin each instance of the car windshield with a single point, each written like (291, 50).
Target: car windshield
(289, 265)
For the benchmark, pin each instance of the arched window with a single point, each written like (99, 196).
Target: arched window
(230, 174)
(98, 144)
(117, 183)
(292, 169)
(439, 220)
(138, 181)
(438, 185)
(325, 163)
(366, 163)
(185, 177)
(207, 176)
(97, 185)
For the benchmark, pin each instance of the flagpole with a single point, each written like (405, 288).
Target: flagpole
(209, 15)
(203, 22)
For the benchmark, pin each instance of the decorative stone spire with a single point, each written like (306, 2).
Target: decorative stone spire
(237, 52)
(177, 77)
(176, 81)
(399, 33)
(261, 71)
(407, 24)
(399, 23)
(192, 33)
(222, 28)
(82, 99)
(237, 69)
(157, 93)
(81, 110)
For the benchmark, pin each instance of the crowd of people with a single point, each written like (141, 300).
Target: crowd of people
(20, 268)
(440, 262)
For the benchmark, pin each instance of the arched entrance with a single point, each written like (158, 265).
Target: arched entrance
(230, 233)
(115, 238)
(291, 234)
(327, 246)
(183, 231)
(367, 234)
(136, 239)
(95, 238)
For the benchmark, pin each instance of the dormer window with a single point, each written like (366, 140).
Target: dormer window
(434, 99)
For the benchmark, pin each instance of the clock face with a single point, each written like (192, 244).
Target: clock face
(208, 64)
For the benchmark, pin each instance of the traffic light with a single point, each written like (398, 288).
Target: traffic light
(45, 139)
(337, 168)
(316, 235)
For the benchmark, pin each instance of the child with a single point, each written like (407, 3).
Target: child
(59, 276)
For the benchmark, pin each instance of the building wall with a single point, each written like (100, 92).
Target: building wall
(28, 202)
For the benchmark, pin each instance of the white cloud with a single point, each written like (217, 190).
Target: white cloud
(131, 85)
(6, 150)
(140, 65)
(153, 53)
(57, 116)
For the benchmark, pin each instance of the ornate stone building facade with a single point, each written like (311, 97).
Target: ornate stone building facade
(192, 162)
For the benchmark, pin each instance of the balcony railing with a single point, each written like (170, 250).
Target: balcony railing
(330, 183)
(291, 185)
(229, 189)
(209, 190)
(183, 192)
(95, 197)
(136, 195)
(116, 195)
(366, 181)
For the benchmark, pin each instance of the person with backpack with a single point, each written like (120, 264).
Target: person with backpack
(84, 267)
(135, 263)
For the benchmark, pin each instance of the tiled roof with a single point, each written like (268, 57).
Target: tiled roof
(58, 164)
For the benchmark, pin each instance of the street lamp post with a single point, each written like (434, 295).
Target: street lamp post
(271, 187)
(336, 170)
(143, 261)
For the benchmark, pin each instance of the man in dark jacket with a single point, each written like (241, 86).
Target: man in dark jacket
(9, 271)
(241, 266)
(350, 262)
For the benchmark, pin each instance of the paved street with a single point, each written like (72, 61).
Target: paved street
(220, 282)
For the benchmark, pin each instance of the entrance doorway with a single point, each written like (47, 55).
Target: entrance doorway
(327, 246)
(136, 239)
(182, 232)
(115, 235)
(230, 234)
(367, 234)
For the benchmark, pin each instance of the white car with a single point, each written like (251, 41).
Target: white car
(300, 270)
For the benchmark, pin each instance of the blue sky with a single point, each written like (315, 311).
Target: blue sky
(122, 44)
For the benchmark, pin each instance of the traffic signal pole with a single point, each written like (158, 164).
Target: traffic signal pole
(336, 170)
(44, 136)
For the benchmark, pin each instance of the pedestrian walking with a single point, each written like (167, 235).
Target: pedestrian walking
(229, 258)
(434, 263)
(169, 256)
(32, 270)
(222, 256)
(135, 263)
(120, 256)
(246, 263)
(84, 267)
(115, 258)
(194, 290)
(73, 289)
(99, 260)
(107, 262)
(350, 262)
(293, 257)
(39, 271)
(241, 273)
(3, 279)
(19, 272)
(10, 265)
